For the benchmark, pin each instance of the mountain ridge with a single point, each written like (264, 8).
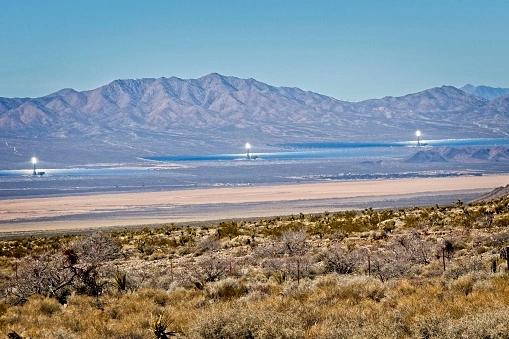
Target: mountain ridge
(486, 92)
(216, 112)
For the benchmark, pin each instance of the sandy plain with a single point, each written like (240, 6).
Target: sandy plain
(79, 212)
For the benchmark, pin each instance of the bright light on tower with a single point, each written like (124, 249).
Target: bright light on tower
(248, 147)
(418, 134)
(34, 161)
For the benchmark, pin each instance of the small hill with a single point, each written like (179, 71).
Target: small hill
(496, 193)
(426, 157)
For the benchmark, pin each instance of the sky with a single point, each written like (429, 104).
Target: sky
(350, 50)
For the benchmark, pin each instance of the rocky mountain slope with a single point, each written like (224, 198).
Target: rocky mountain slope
(129, 118)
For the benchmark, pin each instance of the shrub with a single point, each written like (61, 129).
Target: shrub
(464, 284)
(49, 307)
(464, 266)
(211, 268)
(228, 229)
(56, 275)
(231, 321)
(45, 275)
(226, 289)
(336, 260)
(293, 243)
(96, 249)
(206, 244)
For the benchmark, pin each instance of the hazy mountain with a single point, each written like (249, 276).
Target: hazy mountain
(130, 118)
(485, 91)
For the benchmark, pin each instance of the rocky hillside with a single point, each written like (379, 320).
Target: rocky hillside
(170, 115)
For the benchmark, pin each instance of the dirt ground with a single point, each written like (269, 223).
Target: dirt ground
(131, 209)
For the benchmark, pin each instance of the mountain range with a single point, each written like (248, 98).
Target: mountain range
(132, 118)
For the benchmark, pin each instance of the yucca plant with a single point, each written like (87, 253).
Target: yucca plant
(159, 327)
(120, 281)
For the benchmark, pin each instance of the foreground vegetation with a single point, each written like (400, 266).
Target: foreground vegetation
(433, 272)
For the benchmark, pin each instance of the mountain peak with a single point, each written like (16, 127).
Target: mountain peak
(213, 75)
(469, 88)
(62, 92)
(450, 91)
(436, 94)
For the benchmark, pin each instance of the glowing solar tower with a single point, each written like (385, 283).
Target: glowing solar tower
(418, 134)
(34, 161)
(248, 147)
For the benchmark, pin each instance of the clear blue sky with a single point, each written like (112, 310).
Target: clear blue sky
(351, 50)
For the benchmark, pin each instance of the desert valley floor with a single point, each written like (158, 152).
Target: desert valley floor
(79, 212)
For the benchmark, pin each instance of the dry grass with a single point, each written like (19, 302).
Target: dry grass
(366, 274)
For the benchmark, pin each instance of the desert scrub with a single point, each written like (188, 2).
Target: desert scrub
(338, 260)
(326, 275)
(19, 248)
(79, 268)
(232, 320)
(228, 230)
(226, 289)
